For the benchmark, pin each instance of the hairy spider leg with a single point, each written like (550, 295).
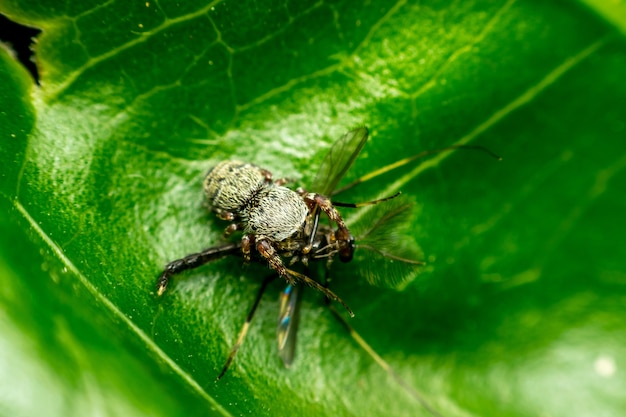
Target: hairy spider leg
(266, 250)
(319, 202)
(316, 217)
(193, 261)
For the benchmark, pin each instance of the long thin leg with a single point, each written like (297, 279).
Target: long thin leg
(382, 363)
(193, 261)
(405, 161)
(246, 325)
(365, 203)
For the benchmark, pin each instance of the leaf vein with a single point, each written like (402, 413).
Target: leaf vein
(118, 313)
(466, 48)
(344, 62)
(73, 76)
(499, 115)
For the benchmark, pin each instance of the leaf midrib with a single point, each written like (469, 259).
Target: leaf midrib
(150, 344)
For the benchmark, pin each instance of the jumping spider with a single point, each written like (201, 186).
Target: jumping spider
(274, 220)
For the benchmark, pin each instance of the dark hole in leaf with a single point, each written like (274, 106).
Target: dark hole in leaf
(21, 39)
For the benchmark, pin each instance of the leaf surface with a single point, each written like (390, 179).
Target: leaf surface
(519, 311)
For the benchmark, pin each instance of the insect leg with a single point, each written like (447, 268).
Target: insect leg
(276, 263)
(379, 360)
(244, 329)
(383, 364)
(193, 261)
(410, 159)
(365, 203)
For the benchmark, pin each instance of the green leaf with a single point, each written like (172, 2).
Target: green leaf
(520, 309)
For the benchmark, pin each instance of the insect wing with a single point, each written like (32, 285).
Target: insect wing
(288, 317)
(338, 160)
(382, 234)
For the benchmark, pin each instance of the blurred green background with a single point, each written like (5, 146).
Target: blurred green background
(520, 309)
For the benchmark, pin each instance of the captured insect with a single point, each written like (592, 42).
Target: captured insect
(281, 227)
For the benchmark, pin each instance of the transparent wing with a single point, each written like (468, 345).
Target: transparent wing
(387, 254)
(287, 330)
(338, 160)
